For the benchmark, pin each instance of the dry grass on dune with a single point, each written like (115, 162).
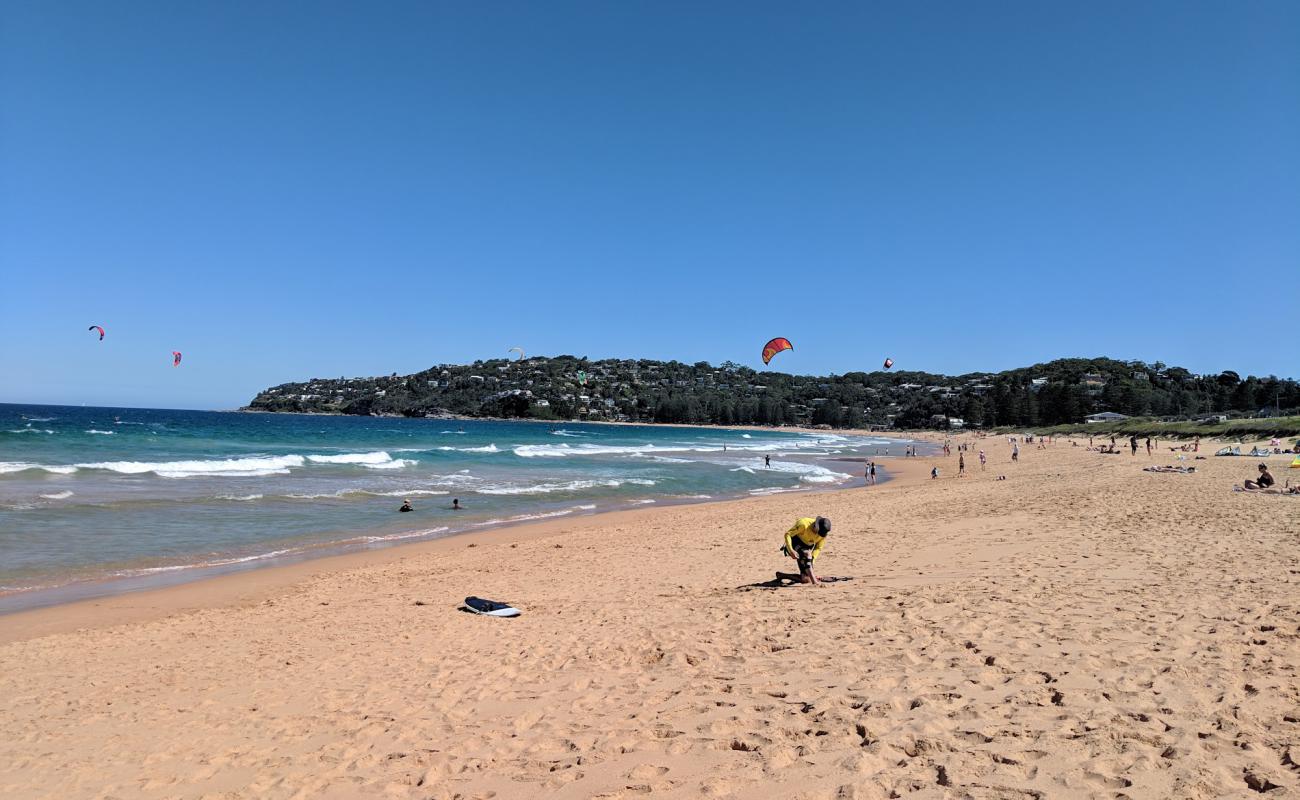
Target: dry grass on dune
(1081, 629)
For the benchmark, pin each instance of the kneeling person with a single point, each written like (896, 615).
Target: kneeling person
(804, 542)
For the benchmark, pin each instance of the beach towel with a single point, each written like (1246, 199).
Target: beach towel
(1295, 463)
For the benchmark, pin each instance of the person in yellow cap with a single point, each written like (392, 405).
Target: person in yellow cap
(804, 543)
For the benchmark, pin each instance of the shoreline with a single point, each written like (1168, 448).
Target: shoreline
(1032, 629)
(107, 580)
(237, 586)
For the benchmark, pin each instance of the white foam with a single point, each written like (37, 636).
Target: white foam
(566, 433)
(567, 450)
(247, 467)
(220, 562)
(570, 486)
(491, 448)
(244, 498)
(525, 517)
(58, 495)
(671, 460)
(20, 466)
(548, 488)
(256, 466)
(39, 419)
(102, 433)
(397, 463)
(808, 473)
(586, 508)
(30, 429)
(376, 459)
(393, 537)
(406, 493)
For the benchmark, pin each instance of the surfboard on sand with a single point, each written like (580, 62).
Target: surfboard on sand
(491, 608)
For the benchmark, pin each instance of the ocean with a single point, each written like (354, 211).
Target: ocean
(95, 501)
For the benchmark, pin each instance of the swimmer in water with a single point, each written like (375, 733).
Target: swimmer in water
(406, 506)
(455, 504)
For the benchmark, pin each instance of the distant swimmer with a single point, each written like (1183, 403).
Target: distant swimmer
(767, 462)
(406, 506)
(455, 504)
(804, 543)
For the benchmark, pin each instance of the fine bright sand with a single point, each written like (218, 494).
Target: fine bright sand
(1081, 629)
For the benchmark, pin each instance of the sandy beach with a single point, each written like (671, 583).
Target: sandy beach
(1080, 629)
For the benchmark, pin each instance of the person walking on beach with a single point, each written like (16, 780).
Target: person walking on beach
(1133, 443)
(871, 471)
(961, 465)
(804, 543)
(1015, 452)
(934, 473)
(983, 459)
(1148, 446)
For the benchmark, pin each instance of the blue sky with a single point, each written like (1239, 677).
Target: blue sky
(286, 190)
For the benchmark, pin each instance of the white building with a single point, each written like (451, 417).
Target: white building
(1105, 416)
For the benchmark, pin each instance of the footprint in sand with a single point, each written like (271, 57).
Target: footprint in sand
(645, 772)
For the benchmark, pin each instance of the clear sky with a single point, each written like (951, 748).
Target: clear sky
(284, 190)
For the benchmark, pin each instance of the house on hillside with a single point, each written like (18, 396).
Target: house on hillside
(1105, 416)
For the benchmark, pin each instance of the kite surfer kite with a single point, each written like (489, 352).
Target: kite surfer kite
(777, 345)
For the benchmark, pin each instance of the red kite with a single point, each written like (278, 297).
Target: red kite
(775, 346)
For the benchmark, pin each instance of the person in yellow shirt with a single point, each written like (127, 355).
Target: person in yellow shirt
(804, 543)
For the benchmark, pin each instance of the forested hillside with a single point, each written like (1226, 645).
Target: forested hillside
(568, 387)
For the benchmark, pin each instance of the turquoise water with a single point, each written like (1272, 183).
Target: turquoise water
(95, 500)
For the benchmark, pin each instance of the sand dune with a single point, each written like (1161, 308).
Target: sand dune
(1081, 629)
